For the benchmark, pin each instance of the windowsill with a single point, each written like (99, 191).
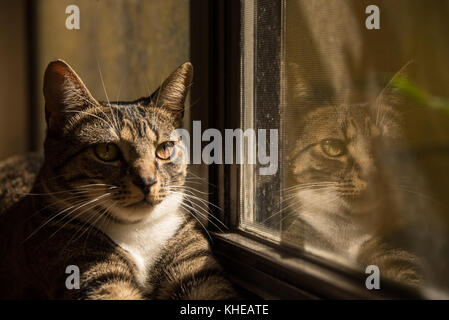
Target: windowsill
(275, 273)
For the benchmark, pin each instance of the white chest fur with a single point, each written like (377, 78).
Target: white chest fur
(345, 238)
(323, 212)
(145, 240)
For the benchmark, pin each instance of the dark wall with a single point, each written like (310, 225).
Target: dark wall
(13, 79)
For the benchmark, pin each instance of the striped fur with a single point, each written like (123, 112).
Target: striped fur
(105, 201)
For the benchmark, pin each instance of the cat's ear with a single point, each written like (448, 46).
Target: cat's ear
(64, 93)
(172, 94)
(391, 94)
(297, 87)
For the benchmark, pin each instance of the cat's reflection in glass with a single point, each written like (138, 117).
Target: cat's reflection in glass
(343, 198)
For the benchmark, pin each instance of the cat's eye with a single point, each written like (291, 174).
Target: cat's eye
(165, 150)
(333, 147)
(107, 152)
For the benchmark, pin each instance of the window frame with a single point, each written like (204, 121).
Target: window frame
(265, 269)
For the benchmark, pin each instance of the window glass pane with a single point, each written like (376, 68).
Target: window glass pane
(363, 123)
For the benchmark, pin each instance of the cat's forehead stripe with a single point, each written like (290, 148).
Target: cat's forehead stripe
(131, 130)
(128, 122)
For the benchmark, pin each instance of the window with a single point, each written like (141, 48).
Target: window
(361, 118)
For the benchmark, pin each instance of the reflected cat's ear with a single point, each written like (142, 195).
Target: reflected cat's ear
(64, 93)
(387, 109)
(172, 94)
(391, 94)
(304, 90)
(297, 87)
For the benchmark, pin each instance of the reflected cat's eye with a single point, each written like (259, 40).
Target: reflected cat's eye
(333, 147)
(165, 150)
(107, 152)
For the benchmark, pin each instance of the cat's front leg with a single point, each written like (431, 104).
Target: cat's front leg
(108, 280)
(394, 263)
(104, 271)
(187, 270)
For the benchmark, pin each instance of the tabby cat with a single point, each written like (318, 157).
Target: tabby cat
(108, 199)
(343, 167)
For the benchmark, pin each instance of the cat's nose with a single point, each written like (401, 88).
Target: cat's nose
(145, 183)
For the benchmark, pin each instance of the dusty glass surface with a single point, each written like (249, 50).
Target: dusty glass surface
(363, 120)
